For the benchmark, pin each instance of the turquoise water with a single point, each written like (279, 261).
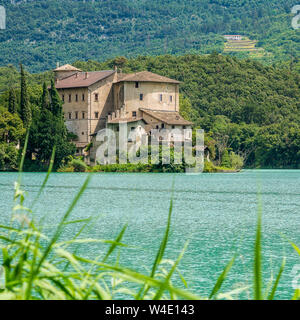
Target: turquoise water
(216, 212)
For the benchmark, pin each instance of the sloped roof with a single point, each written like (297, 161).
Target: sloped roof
(66, 67)
(82, 79)
(168, 117)
(124, 120)
(145, 76)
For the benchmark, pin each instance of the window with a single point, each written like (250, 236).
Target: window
(134, 113)
(160, 97)
(83, 97)
(173, 127)
(162, 125)
(70, 115)
(137, 85)
(96, 97)
(141, 97)
(184, 127)
(96, 115)
(76, 97)
(171, 99)
(76, 115)
(83, 115)
(132, 128)
(63, 98)
(70, 98)
(82, 133)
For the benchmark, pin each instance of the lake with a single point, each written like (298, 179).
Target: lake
(217, 213)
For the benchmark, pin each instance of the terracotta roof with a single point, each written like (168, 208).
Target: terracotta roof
(124, 120)
(82, 79)
(67, 67)
(145, 76)
(168, 117)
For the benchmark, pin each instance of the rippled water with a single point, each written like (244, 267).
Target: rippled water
(216, 212)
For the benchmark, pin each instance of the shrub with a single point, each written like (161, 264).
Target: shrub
(226, 159)
(209, 167)
(78, 165)
(66, 169)
(237, 162)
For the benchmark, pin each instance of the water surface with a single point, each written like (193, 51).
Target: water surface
(217, 213)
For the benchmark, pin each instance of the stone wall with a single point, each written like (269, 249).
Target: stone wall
(77, 126)
(127, 94)
(95, 109)
(104, 105)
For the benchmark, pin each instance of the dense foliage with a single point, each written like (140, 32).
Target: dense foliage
(39, 113)
(245, 107)
(11, 132)
(40, 33)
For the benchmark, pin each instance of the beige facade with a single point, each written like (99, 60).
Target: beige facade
(136, 95)
(101, 103)
(95, 100)
(86, 108)
(76, 112)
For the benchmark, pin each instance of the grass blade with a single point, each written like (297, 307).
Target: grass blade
(272, 294)
(164, 242)
(221, 278)
(46, 178)
(61, 225)
(23, 155)
(257, 258)
(168, 278)
(115, 244)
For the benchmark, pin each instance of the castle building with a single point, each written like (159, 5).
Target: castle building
(96, 100)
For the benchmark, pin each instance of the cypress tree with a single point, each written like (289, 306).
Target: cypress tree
(26, 114)
(49, 130)
(12, 107)
(56, 103)
(45, 98)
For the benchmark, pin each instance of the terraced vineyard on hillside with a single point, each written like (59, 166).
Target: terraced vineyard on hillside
(244, 45)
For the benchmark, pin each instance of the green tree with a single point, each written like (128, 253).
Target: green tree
(11, 132)
(26, 113)
(12, 104)
(226, 159)
(236, 161)
(9, 156)
(11, 127)
(45, 104)
(56, 103)
(49, 131)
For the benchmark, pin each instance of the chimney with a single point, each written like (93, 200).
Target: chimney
(57, 64)
(86, 75)
(116, 68)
